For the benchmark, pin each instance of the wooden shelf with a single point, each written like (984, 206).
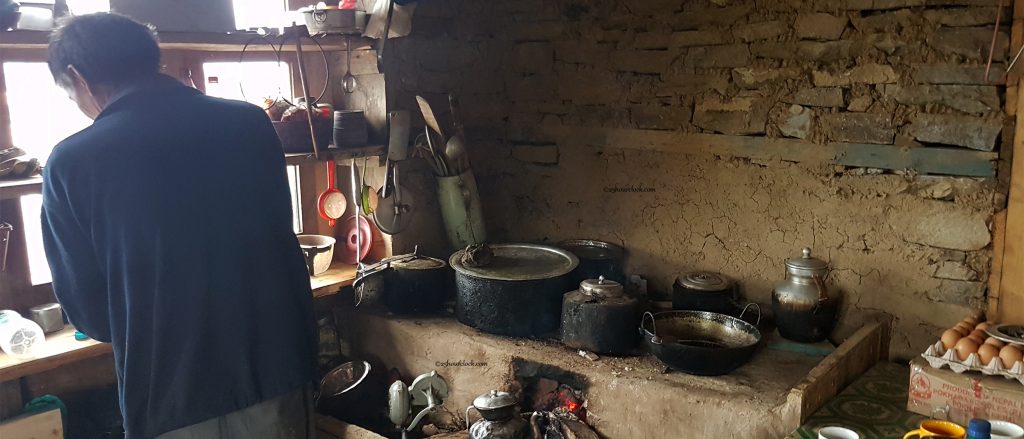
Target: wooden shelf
(333, 280)
(202, 41)
(16, 188)
(337, 154)
(60, 348)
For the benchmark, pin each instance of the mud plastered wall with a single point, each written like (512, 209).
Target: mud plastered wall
(911, 248)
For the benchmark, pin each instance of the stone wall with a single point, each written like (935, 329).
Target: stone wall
(905, 247)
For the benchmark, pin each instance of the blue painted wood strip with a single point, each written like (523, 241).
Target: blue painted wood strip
(924, 160)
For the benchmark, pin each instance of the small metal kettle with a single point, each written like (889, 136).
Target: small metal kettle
(600, 317)
(804, 309)
(500, 417)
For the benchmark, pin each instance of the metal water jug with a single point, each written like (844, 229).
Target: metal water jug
(500, 418)
(804, 309)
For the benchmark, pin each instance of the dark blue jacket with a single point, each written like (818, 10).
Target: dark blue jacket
(167, 225)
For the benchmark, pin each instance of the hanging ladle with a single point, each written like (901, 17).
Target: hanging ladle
(332, 202)
(349, 81)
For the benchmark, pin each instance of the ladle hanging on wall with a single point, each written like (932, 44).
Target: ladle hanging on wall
(349, 81)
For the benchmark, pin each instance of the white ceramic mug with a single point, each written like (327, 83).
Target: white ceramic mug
(837, 433)
(1006, 430)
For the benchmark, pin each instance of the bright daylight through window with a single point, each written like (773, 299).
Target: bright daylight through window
(42, 115)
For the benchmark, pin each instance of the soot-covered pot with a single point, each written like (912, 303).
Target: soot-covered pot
(600, 317)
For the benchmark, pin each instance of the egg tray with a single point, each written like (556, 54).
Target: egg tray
(938, 357)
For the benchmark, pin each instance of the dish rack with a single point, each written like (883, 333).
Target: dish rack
(938, 357)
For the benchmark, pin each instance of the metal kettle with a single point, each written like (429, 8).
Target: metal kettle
(600, 317)
(499, 417)
(805, 310)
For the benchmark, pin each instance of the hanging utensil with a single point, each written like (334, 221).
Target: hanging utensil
(368, 199)
(455, 150)
(387, 34)
(349, 81)
(431, 119)
(437, 155)
(332, 203)
(395, 211)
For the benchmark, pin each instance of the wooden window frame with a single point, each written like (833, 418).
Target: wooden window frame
(181, 60)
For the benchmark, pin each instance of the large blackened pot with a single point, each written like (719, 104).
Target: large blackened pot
(518, 292)
(418, 285)
(597, 258)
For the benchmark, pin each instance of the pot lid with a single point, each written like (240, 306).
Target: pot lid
(516, 262)
(494, 400)
(601, 287)
(705, 281)
(592, 249)
(806, 264)
(419, 263)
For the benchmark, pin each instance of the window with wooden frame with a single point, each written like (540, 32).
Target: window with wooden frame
(35, 115)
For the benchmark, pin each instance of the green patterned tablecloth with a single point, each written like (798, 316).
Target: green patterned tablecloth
(875, 406)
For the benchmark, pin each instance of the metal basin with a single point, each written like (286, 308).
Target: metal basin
(699, 342)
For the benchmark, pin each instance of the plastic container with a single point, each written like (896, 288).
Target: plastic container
(19, 337)
(938, 357)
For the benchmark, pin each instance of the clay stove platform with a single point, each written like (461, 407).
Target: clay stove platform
(626, 397)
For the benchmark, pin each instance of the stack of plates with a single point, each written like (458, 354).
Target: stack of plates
(350, 129)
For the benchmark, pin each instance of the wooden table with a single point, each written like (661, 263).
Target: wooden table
(60, 348)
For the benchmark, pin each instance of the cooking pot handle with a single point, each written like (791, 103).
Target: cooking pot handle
(758, 307)
(819, 282)
(654, 330)
(467, 414)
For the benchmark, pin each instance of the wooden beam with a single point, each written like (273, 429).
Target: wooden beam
(943, 161)
(11, 189)
(1011, 285)
(995, 275)
(856, 355)
(6, 141)
(230, 42)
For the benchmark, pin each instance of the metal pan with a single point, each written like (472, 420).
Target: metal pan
(699, 342)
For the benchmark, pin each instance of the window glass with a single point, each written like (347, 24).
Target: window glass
(82, 7)
(259, 13)
(254, 81)
(31, 209)
(251, 81)
(41, 112)
(293, 185)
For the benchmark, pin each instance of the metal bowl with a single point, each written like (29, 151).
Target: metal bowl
(344, 378)
(700, 342)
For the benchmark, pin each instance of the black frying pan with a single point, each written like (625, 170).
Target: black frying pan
(699, 342)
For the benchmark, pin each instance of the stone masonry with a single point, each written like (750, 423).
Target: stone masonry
(905, 73)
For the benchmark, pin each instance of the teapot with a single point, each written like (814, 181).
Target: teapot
(804, 309)
(499, 417)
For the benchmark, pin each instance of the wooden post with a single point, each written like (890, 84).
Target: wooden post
(1009, 296)
(1011, 286)
(6, 140)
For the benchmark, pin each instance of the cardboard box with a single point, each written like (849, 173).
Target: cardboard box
(960, 397)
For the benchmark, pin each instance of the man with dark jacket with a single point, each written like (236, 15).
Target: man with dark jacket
(168, 229)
